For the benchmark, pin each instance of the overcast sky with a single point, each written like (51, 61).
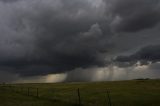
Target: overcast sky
(79, 40)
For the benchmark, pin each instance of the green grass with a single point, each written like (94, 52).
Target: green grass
(122, 93)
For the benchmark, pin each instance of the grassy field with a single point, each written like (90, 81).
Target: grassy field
(122, 93)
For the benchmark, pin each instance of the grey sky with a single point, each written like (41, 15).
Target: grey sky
(41, 37)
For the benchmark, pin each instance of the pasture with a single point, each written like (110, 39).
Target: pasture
(116, 93)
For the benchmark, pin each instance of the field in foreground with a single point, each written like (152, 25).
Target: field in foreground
(121, 93)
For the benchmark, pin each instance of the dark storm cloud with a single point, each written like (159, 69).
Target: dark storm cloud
(7, 77)
(40, 37)
(52, 37)
(134, 15)
(145, 55)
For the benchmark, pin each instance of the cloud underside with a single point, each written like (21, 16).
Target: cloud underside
(146, 55)
(56, 36)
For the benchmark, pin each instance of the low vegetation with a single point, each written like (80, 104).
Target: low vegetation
(120, 93)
